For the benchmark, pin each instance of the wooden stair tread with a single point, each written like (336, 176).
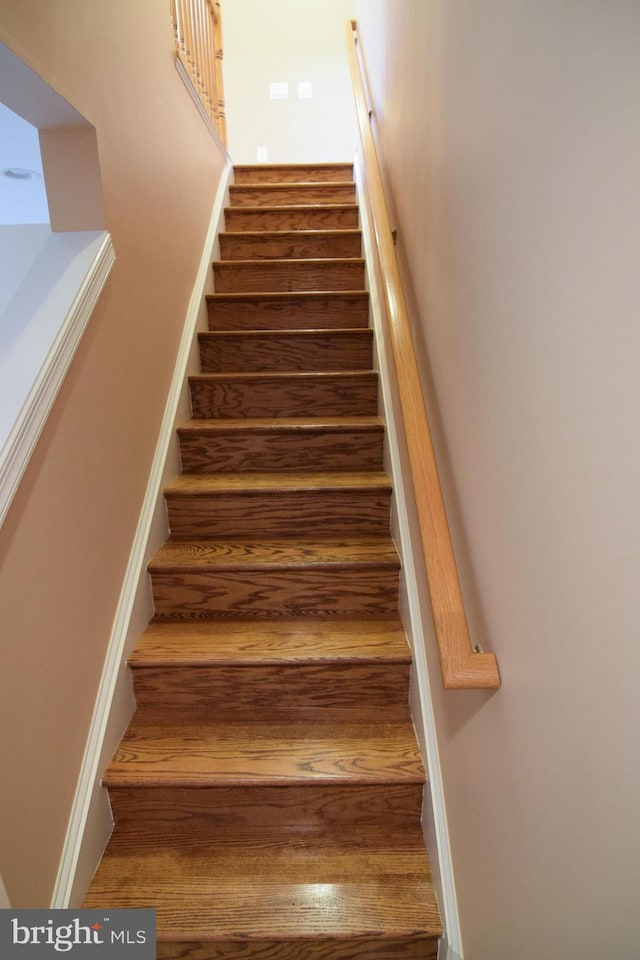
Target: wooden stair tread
(286, 185)
(292, 424)
(293, 172)
(297, 641)
(292, 234)
(321, 262)
(256, 753)
(274, 554)
(310, 333)
(266, 376)
(286, 296)
(283, 208)
(274, 887)
(204, 484)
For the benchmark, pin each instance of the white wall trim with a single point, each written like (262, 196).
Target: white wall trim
(89, 771)
(195, 96)
(28, 426)
(409, 547)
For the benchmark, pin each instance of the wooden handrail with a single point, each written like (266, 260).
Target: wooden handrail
(198, 39)
(462, 666)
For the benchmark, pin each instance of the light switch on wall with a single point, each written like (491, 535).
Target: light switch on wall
(262, 154)
(279, 91)
(305, 90)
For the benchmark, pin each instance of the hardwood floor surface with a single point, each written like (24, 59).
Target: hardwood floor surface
(265, 753)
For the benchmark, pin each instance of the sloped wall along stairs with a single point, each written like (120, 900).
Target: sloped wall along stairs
(267, 793)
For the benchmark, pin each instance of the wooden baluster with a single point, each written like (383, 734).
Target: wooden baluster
(186, 36)
(202, 53)
(210, 54)
(218, 46)
(175, 24)
(193, 36)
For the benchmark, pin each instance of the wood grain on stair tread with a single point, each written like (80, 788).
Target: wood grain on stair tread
(271, 885)
(275, 578)
(272, 350)
(278, 505)
(262, 753)
(203, 485)
(264, 276)
(343, 216)
(293, 172)
(275, 554)
(291, 194)
(297, 310)
(292, 853)
(295, 641)
(300, 394)
(294, 244)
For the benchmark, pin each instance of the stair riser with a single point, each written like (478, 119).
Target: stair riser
(281, 451)
(324, 692)
(289, 246)
(323, 217)
(362, 948)
(285, 312)
(294, 173)
(275, 514)
(284, 195)
(266, 276)
(341, 592)
(315, 805)
(303, 351)
(285, 397)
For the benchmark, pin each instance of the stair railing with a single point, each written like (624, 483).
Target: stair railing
(463, 666)
(197, 28)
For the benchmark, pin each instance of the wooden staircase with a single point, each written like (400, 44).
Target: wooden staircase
(267, 793)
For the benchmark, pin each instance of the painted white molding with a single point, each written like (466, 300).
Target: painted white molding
(32, 417)
(450, 947)
(4, 898)
(195, 96)
(89, 775)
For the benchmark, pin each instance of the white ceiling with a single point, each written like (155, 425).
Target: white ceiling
(21, 201)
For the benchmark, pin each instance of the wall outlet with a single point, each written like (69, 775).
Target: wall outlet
(305, 90)
(279, 91)
(263, 154)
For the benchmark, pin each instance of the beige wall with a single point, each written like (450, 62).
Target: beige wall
(511, 140)
(67, 537)
(288, 41)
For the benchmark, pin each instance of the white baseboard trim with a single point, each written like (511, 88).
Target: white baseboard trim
(451, 944)
(89, 771)
(29, 423)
